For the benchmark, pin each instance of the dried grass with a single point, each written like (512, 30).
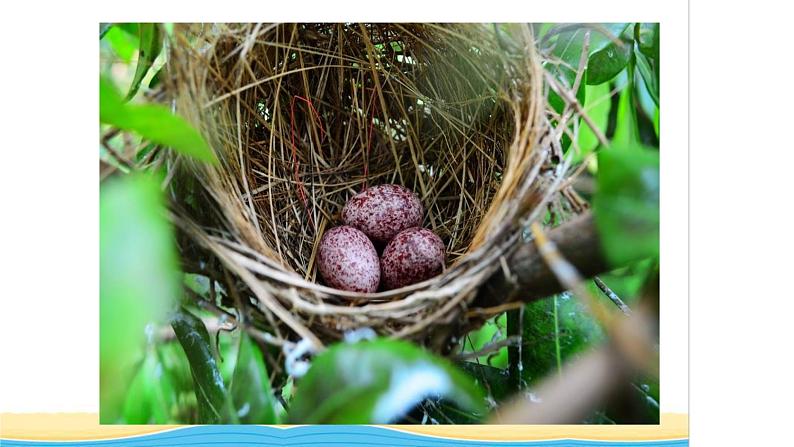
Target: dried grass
(303, 116)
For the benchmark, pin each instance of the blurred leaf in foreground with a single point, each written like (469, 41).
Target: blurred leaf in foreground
(151, 397)
(123, 43)
(138, 278)
(627, 203)
(153, 122)
(377, 382)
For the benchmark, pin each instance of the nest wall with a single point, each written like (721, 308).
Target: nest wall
(304, 116)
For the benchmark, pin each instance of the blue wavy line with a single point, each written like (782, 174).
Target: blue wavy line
(320, 435)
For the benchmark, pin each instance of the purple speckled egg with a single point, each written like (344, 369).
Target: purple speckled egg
(383, 211)
(347, 260)
(414, 255)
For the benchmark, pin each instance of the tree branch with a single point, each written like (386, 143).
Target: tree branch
(531, 279)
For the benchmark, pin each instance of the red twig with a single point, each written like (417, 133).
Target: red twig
(369, 136)
(295, 163)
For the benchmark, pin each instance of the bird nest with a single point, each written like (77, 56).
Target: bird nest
(304, 116)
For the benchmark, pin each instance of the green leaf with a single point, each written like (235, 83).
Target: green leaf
(131, 28)
(626, 129)
(598, 104)
(208, 384)
(153, 122)
(151, 43)
(250, 386)
(567, 52)
(157, 78)
(485, 335)
(122, 43)
(555, 330)
(172, 358)
(493, 379)
(103, 29)
(647, 36)
(151, 395)
(626, 204)
(649, 71)
(138, 278)
(606, 63)
(377, 382)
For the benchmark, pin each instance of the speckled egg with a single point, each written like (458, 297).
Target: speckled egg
(383, 211)
(414, 255)
(347, 260)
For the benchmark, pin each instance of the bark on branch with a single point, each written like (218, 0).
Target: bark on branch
(531, 279)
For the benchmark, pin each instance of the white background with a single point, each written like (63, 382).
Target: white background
(740, 231)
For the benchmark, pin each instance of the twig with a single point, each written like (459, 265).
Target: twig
(513, 340)
(612, 295)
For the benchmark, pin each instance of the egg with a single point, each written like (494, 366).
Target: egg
(347, 260)
(383, 211)
(414, 255)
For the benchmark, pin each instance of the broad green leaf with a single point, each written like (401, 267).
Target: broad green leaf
(172, 358)
(555, 330)
(626, 130)
(626, 204)
(647, 36)
(153, 122)
(649, 71)
(567, 53)
(377, 382)
(598, 103)
(208, 384)
(250, 386)
(122, 43)
(607, 62)
(151, 396)
(131, 28)
(151, 43)
(567, 50)
(138, 278)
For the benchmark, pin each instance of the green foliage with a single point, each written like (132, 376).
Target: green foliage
(122, 43)
(567, 48)
(554, 330)
(195, 380)
(647, 37)
(376, 382)
(650, 74)
(627, 203)
(151, 396)
(250, 386)
(490, 332)
(598, 105)
(152, 121)
(138, 276)
(607, 62)
(150, 44)
(213, 404)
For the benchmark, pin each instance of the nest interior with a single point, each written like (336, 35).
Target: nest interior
(304, 116)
